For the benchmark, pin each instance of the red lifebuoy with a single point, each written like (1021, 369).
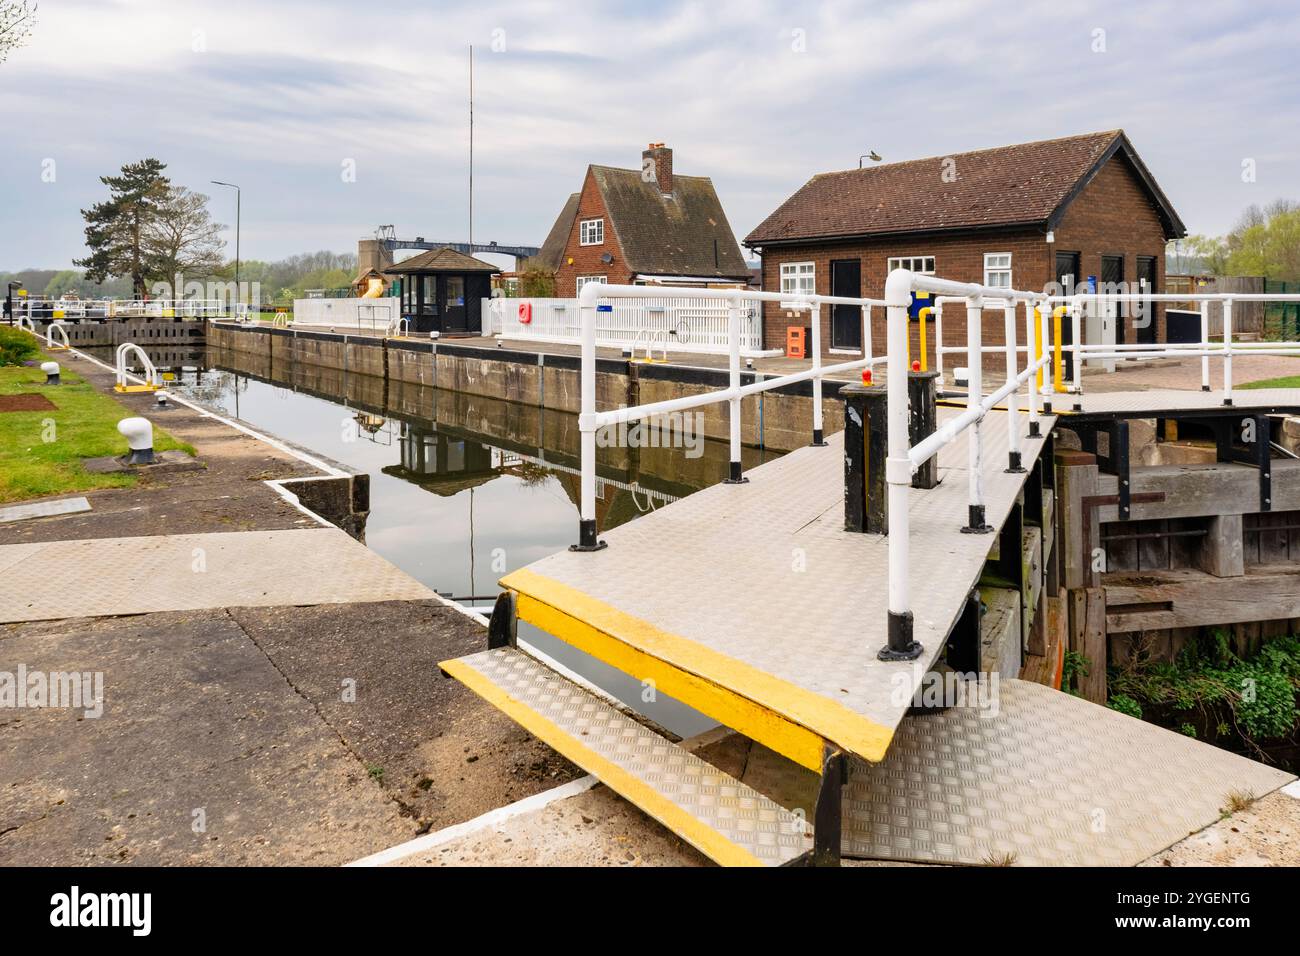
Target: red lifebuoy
(525, 312)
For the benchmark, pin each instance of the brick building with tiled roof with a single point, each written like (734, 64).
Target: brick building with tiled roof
(1026, 216)
(648, 225)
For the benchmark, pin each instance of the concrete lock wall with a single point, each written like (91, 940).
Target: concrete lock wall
(328, 362)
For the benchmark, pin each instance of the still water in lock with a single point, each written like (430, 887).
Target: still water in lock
(463, 489)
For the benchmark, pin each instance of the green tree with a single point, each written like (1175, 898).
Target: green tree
(1199, 254)
(1269, 248)
(117, 229)
(537, 284)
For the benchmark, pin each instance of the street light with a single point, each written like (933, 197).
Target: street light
(9, 301)
(217, 182)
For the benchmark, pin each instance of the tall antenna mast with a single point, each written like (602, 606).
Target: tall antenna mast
(471, 144)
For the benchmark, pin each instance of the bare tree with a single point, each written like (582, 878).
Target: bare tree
(17, 17)
(181, 238)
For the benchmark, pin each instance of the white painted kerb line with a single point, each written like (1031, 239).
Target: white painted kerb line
(490, 820)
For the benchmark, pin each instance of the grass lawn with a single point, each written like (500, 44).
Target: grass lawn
(41, 451)
(1286, 381)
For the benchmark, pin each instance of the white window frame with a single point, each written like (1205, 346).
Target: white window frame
(591, 232)
(580, 281)
(922, 265)
(797, 276)
(994, 267)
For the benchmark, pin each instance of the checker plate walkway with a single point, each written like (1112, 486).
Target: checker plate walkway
(1046, 780)
(751, 603)
(718, 815)
(190, 571)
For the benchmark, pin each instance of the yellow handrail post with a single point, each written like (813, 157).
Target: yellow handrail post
(1058, 376)
(1038, 348)
(925, 365)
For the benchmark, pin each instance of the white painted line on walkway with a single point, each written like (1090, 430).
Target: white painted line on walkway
(489, 820)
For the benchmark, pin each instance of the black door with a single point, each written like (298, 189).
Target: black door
(1144, 316)
(846, 320)
(1112, 280)
(1067, 277)
(454, 315)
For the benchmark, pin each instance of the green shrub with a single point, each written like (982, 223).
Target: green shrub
(1125, 705)
(1256, 697)
(16, 346)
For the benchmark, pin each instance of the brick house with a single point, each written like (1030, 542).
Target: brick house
(1026, 216)
(642, 226)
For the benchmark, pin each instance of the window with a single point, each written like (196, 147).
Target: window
(591, 232)
(997, 269)
(921, 264)
(455, 291)
(798, 278)
(583, 280)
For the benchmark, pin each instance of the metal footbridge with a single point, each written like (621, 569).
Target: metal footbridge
(751, 602)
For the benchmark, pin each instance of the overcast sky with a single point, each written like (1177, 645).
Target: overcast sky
(284, 97)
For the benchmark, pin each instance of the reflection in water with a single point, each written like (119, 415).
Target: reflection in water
(463, 489)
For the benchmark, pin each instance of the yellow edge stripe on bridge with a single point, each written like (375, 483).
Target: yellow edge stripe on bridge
(694, 831)
(790, 719)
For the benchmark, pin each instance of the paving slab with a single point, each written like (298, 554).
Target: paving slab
(88, 578)
(203, 755)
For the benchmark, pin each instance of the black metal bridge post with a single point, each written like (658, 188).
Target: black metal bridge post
(922, 420)
(865, 450)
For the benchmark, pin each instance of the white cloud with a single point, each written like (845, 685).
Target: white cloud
(280, 94)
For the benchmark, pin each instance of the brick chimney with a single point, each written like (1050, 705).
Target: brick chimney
(657, 167)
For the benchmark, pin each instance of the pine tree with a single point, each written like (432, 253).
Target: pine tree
(116, 229)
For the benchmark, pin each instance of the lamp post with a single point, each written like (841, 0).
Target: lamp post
(9, 301)
(217, 182)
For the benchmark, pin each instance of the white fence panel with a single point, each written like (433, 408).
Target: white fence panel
(363, 315)
(683, 325)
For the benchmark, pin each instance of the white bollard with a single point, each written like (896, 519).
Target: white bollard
(51, 370)
(139, 439)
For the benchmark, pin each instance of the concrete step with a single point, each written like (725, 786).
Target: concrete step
(724, 819)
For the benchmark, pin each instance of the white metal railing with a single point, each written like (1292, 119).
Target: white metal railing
(1079, 307)
(149, 373)
(1041, 348)
(687, 319)
(737, 303)
(903, 459)
(63, 345)
(40, 307)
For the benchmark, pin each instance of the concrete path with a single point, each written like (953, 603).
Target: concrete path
(113, 576)
(254, 736)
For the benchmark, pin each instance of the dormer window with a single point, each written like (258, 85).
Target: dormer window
(591, 232)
